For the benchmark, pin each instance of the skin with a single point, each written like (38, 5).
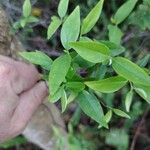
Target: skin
(21, 93)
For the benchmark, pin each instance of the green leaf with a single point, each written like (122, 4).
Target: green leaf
(124, 11)
(147, 2)
(71, 28)
(144, 61)
(147, 71)
(75, 86)
(64, 101)
(114, 49)
(62, 8)
(72, 97)
(115, 34)
(128, 100)
(92, 18)
(108, 85)
(92, 51)
(38, 58)
(13, 142)
(72, 75)
(108, 116)
(85, 38)
(91, 107)
(75, 119)
(118, 138)
(57, 95)
(141, 17)
(54, 25)
(23, 22)
(143, 91)
(27, 8)
(82, 62)
(130, 71)
(99, 72)
(121, 113)
(17, 25)
(32, 19)
(58, 72)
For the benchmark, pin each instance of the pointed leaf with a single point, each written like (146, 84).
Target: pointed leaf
(108, 85)
(128, 100)
(58, 72)
(62, 8)
(27, 8)
(72, 96)
(32, 19)
(115, 34)
(82, 62)
(64, 101)
(124, 11)
(85, 38)
(92, 51)
(38, 58)
(75, 86)
(54, 25)
(108, 116)
(91, 107)
(143, 91)
(121, 113)
(130, 71)
(57, 95)
(92, 18)
(114, 49)
(71, 28)
(23, 22)
(144, 61)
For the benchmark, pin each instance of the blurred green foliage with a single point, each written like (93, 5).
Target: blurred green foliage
(13, 142)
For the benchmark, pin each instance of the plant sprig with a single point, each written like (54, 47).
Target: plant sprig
(66, 82)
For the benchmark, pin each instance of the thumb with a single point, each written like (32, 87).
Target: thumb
(29, 102)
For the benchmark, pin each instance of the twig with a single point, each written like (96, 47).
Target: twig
(131, 35)
(138, 130)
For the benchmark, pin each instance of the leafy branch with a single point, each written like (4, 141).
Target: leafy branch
(64, 81)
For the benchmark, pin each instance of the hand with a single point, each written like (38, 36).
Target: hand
(20, 96)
